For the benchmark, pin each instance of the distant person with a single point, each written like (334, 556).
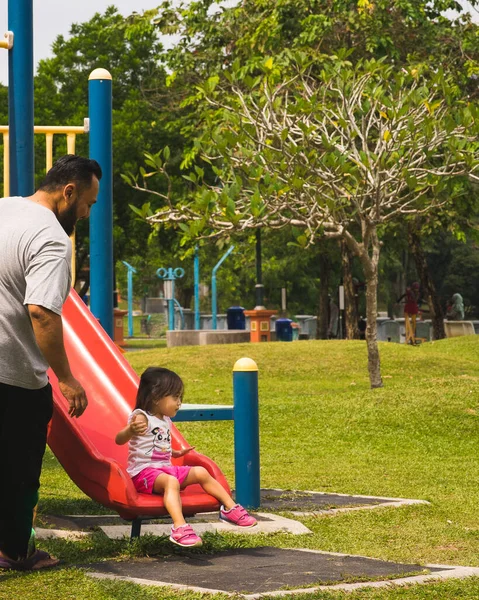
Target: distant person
(455, 311)
(35, 279)
(411, 310)
(149, 459)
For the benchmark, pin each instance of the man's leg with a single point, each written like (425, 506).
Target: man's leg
(24, 418)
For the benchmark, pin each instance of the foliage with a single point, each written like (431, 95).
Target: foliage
(243, 38)
(133, 58)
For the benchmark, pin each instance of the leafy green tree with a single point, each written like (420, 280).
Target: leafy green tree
(133, 57)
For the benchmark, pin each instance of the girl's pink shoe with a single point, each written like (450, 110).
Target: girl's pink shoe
(185, 536)
(237, 516)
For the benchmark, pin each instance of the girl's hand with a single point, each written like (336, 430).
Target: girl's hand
(182, 452)
(138, 425)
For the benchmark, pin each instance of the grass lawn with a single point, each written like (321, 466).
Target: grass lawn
(144, 343)
(322, 428)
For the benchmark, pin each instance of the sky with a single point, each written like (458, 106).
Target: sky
(56, 16)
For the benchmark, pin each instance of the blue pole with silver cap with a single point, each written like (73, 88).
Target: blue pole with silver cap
(101, 217)
(246, 433)
(169, 275)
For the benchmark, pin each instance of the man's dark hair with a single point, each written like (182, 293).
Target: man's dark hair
(71, 169)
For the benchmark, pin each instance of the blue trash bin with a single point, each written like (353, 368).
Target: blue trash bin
(284, 330)
(235, 318)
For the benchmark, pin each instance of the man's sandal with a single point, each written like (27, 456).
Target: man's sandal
(38, 560)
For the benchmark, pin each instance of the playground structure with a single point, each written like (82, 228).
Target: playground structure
(86, 447)
(69, 132)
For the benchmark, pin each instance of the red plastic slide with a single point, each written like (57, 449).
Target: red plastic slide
(86, 446)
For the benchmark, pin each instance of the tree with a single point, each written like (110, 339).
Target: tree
(132, 52)
(408, 33)
(338, 151)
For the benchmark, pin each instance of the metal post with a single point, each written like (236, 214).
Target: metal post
(131, 270)
(213, 286)
(20, 98)
(101, 218)
(197, 288)
(341, 310)
(246, 433)
(259, 287)
(169, 275)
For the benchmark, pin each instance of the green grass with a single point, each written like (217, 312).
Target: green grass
(144, 343)
(322, 428)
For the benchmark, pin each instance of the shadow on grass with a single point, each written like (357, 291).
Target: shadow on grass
(98, 547)
(66, 506)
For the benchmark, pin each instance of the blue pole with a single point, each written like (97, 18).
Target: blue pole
(246, 433)
(101, 218)
(214, 309)
(171, 308)
(182, 314)
(213, 286)
(20, 98)
(130, 303)
(131, 270)
(197, 288)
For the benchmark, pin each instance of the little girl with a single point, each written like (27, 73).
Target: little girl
(149, 460)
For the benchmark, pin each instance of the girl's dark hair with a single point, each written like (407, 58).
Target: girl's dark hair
(156, 383)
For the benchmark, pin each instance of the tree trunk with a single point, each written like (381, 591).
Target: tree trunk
(374, 363)
(370, 268)
(323, 313)
(427, 284)
(350, 308)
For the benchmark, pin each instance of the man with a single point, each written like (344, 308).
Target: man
(35, 279)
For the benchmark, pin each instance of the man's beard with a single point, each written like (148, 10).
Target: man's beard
(68, 219)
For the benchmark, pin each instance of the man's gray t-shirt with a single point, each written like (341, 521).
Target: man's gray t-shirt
(35, 268)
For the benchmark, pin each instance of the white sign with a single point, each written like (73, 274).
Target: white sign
(341, 297)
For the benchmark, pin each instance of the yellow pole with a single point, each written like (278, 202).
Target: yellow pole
(49, 150)
(71, 142)
(6, 164)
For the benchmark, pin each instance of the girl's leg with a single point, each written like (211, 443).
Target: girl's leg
(211, 486)
(169, 486)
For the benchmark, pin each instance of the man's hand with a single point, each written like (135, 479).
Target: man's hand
(138, 425)
(76, 396)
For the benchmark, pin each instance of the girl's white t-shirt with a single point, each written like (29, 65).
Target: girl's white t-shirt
(153, 448)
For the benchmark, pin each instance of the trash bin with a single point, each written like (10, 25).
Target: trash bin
(118, 330)
(295, 328)
(284, 330)
(235, 317)
(390, 331)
